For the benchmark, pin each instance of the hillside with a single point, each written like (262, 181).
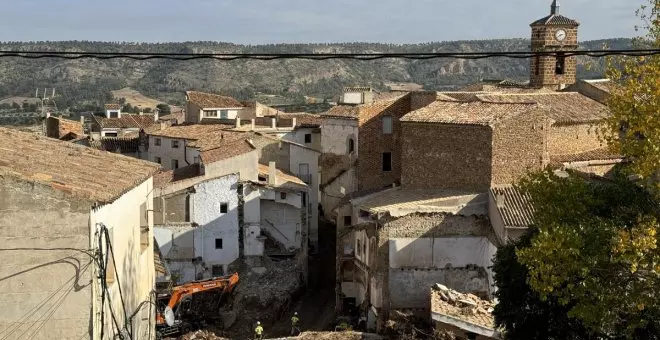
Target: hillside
(85, 84)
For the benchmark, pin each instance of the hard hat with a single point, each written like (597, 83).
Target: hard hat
(258, 323)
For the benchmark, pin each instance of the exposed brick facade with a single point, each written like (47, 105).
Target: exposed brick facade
(372, 142)
(519, 145)
(59, 127)
(447, 156)
(543, 69)
(571, 139)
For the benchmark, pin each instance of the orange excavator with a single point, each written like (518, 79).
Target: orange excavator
(192, 304)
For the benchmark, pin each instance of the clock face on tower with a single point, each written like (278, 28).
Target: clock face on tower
(560, 35)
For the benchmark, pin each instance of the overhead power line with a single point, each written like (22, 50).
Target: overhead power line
(322, 56)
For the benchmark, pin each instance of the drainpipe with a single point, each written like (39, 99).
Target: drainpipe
(185, 151)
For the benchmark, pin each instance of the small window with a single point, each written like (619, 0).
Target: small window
(210, 113)
(308, 138)
(157, 160)
(223, 208)
(283, 195)
(175, 144)
(387, 161)
(347, 221)
(359, 247)
(224, 114)
(111, 134)
(157, 141)
(218, 243)
(387, 125)
(561, 64)
(175, 164)
(196, 159)
(351, 145)
(217, 271)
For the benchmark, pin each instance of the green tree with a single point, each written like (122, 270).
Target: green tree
(163, 108)
(633, 129)
(147, 110)
(596, 252)
(127, 108)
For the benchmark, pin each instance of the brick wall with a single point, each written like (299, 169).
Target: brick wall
(543, 39)
(372, 143)
(518, 146)
(446, 156)
(570, 139)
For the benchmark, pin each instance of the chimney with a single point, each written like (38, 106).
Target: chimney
(82, 120)
(156, 115)
(293, 123)
(273, 123)
(272, 174)
(238, 122)
(47, 115)
(252, 123)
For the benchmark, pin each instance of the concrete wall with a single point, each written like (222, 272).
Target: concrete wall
(193, 113)
(406, 285)
(446, 156)
(438, 252)
(335, 134)
(166, 152)
(134, 263)
(332, 193)
(298, 136)
(253, 244)
(245, 165)
(300, 155)
(282, 221)
(213, 224)
(44, 237)
(571, 139)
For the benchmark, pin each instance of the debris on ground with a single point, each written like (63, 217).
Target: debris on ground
(334, 336)
(467, 307)
(201, 335)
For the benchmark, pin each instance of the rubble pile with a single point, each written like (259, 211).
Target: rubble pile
(450, 302)
(334, 336)
(201, 335)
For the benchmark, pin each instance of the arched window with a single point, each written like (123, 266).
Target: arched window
(351, 145)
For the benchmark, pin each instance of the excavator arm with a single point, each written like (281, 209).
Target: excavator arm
(226, 284)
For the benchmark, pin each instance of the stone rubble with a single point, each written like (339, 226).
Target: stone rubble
(469, 304)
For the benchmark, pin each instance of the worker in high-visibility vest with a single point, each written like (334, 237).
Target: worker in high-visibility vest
(259, 331)
(294, 323)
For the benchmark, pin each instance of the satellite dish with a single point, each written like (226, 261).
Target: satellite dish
(169, 316)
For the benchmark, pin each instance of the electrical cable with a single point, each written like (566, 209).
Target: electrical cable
(323, 56)
(121, 295)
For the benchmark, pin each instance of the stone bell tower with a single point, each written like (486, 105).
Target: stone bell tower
(553, 33)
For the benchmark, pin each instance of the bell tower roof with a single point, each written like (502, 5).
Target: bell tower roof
(555, 19)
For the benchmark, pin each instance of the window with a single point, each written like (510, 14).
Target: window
(283, 195)
(210, 113)
(114, 114)
(218, 243)
(387, 161)
(196, 159)
(303, 173)
(175, 164)
(224, 114)
(308, 138)
(387, 125)
(223, 208)
(175, 144)
(351, 145)
(111, 134)
(537, 67)
(157, 160)
(217, 271)
(561, 63)
(157, 141)
(359, 247)
(187, 209)
(347, 221)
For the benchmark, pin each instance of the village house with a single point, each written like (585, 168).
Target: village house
(202, 107)
(119, 124)
(449, 160)
(63, 205)
(203, 211)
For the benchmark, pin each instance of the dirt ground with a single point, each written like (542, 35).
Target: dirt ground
(135, 98)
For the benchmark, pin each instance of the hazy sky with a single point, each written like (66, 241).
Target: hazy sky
(272, 21)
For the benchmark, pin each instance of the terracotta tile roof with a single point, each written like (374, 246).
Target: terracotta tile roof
(357, 89)
(555, 19)
(388, 96)
(210, 100)
(468, 308)
(514, 206)
(283, 178)
(562, 107)
(166, 177)
(81, 171)
(112, 106)
(472, 113)
(178, 116)
(226, 150)
(602, 154)
(126, 121)
(203, 136)
(342, 111)
(121, 145)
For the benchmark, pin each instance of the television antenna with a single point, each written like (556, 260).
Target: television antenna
(47, 98)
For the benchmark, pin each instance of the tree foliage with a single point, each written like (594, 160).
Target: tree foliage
(596, 252)
(163, 108)
(633, 129)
